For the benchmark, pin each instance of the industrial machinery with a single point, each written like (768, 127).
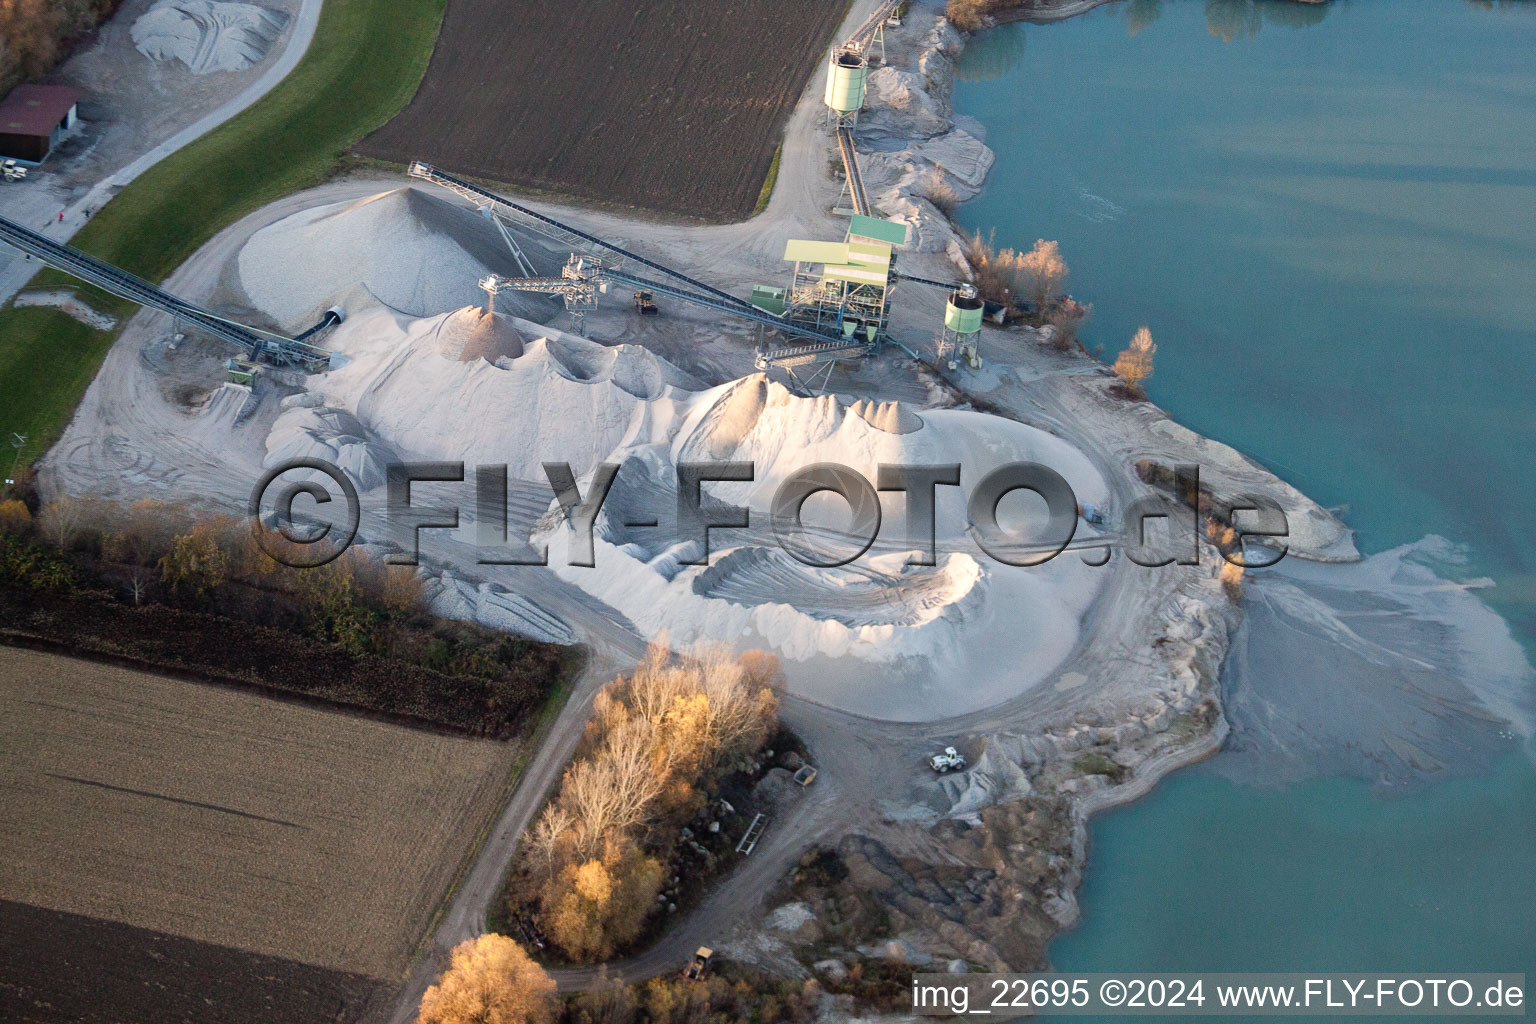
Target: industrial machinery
(847, 70)
(258, 344)
(837, 313)
(645, 303)
(699, 964)
(241, 371)
(583, 279)
(950, 760)
(10, 170)
(962, 328)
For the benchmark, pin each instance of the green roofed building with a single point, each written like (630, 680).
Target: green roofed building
(876, 229)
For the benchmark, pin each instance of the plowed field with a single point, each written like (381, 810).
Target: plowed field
(228, 818)
(667, 105)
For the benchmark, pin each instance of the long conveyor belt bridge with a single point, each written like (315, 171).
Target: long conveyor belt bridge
(256, 343)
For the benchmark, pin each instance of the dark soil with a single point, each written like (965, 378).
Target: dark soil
(58, 968)
(668, 105)
(279, 662)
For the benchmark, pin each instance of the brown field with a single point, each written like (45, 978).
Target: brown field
(669, 105)
(229, 819)
(58, 968)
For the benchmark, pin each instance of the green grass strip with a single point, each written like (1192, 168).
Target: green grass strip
(771, 180)
(365, 63)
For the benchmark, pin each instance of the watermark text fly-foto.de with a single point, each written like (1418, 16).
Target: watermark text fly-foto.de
(298, 500)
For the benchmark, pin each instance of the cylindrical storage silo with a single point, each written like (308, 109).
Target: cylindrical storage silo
(845, 81)
(962, 313)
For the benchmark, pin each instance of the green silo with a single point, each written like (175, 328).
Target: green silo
(846, 73)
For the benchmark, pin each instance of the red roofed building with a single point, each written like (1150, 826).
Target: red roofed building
(32, 117)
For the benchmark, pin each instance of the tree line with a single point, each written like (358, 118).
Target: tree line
(593, 863)
(175, 588)
(34, 34)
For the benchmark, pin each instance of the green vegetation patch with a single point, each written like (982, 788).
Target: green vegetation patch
(1098, 764)
(771, 180)
(364, 65)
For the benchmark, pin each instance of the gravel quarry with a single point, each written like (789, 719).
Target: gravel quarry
(471, 387)
(1022, 669)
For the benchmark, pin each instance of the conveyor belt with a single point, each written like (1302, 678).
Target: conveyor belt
(951, 285)
(119, 282)
(820, 341)
(563, 233)
(851, 164)
(861, 35)
(816, 345)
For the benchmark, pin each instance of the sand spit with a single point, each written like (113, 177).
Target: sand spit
(416, 253)
(466, 386)
(70, 303)
(206, 35)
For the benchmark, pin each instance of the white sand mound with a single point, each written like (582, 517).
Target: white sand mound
(206, 35)
(563, 399)
(226, 405)
(494, 607)
(306, 429)
(471, 333)
(960, 635)
(418, 253)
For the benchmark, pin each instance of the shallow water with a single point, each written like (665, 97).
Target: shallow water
(1327, 217)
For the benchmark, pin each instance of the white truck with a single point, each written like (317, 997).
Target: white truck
(10, 170)
(950, 760)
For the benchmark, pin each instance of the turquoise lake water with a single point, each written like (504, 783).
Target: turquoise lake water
(1327, 217)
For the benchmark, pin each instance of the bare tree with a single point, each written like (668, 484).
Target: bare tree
(138, 582)
(1040, 273)
(555, 825)
(59, 521)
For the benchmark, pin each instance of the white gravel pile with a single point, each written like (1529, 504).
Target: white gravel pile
(207, 35)
(961, 635)
(415, 252)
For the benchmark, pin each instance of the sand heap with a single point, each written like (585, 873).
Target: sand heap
(964, 633)
(472, 333)
(415, 252)
(207, 35)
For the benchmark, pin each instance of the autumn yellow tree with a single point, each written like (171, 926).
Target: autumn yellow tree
(490, 980)
(1040, 273)
(657, 741)
(591, 908)
(1006, 275)
(147, 531)
(15, 517)
(195, 563)
(60, 520)
(1134, 365)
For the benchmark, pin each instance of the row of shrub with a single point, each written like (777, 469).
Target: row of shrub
(161, 585)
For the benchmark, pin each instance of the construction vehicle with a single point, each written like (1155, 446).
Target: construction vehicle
(950, 760)
(700, 963)
(645, 303)
(805, 776)
(10, 170)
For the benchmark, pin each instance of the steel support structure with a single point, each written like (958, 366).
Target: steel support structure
(256, 343)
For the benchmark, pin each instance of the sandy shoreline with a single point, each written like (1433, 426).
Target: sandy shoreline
(1150, 770)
